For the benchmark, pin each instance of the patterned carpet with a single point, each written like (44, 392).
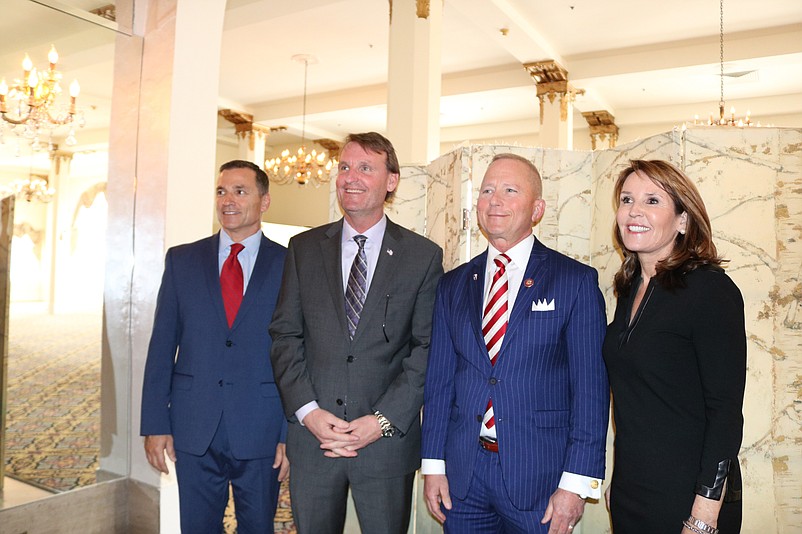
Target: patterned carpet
(53, 405)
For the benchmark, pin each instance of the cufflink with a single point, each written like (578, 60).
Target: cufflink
(594, 484)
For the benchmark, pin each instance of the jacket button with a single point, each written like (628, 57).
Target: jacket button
(229, 343)
(339, 402)
(220, 383)
(479, 418)
(493, 381)
(350, 359)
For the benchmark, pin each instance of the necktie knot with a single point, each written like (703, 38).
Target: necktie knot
(501, 261)
(236, 248)
(360, 241)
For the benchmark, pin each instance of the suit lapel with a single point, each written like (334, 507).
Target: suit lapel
(331, 256)
(392, 249)
(257, 279)
(476, 292)
(536, 270)
(212, 269)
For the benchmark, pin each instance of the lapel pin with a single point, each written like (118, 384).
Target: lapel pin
(529, 282)
(475, 277)
(390, 251)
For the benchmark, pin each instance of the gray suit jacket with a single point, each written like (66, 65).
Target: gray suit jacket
(383, 368)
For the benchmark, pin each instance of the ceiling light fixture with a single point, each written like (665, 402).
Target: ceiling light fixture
(303, 166)
(722, 119)
(31, 104)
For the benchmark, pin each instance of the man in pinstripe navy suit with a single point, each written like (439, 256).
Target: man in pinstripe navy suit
(516, 398)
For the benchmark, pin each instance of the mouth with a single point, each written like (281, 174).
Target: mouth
(637, 229)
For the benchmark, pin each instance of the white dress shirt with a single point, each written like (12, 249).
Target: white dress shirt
(246, 257)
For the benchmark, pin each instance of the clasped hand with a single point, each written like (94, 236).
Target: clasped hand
(339, 438)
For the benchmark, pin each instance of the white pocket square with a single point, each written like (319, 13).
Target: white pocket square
(542, 305)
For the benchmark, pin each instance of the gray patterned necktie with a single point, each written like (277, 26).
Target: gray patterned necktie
(357, 288)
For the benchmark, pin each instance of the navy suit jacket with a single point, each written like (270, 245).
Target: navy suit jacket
(549, 385)
(198, 367)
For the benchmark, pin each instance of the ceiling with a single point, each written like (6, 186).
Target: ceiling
(645, 62)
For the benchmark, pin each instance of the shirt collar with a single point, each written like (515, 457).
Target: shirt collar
(519, 254)
(375, 233)
(250, 243)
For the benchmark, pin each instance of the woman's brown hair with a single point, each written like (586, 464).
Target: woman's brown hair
(693, 249)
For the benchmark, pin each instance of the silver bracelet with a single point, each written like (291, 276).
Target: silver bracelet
(692, 528)
(697, 525)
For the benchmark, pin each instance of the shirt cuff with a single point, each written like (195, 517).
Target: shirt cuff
(304, 410)
(585, 487)
(430, 466)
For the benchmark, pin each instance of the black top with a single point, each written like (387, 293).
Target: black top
(677, 374)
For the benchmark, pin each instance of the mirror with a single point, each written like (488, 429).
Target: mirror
(52, 433)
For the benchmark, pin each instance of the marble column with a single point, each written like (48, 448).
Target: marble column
(6, 232)
(413, 95)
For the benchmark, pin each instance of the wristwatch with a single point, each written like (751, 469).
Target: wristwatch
(388, 430)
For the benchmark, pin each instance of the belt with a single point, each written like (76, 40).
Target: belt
(488, 444)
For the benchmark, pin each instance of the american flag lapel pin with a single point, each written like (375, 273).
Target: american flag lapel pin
(389, 252)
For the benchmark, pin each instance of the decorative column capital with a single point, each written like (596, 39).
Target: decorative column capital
(602, 127)
(243, 122)
(551, 79)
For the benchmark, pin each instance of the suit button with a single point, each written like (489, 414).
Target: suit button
(493, 381)
(350, 359)
(339, 402)
(229, 343)
(479, 418)
(220, 383)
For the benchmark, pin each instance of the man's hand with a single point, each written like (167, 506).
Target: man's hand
(435, 491)
(564, 510)
(361, 432)
(282, 463)
(155, 447)
(326, 426)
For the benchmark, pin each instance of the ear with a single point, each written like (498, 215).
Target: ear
(265, 203)
(540, 209)
(392, 181)
(683, 222)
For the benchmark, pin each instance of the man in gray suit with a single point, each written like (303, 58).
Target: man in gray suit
(350, 345)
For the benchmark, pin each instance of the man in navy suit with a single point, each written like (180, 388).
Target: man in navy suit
(517, 443)
(209, 399)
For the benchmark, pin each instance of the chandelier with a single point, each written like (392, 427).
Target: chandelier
(31, 104)
(722, 119)
(302, 166)
(33, 188)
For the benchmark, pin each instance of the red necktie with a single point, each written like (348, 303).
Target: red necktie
(494, 322)
(231, 283)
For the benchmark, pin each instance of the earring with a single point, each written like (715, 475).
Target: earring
(682, 232)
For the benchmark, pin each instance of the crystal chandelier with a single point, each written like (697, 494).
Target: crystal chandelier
(722, 119)
(31, 104)
(302, 166)
(33, 188)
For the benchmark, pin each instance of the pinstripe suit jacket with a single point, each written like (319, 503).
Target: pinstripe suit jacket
(549, 385)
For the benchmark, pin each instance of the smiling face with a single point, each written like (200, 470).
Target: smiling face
(509, 203)
(239, 203)
(647, 220)
(363, 182)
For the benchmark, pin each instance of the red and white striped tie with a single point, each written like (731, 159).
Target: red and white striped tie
(494, 322)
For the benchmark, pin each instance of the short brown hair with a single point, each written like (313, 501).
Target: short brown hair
(693, 249)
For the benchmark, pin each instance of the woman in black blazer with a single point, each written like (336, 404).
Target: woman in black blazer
(676, 357)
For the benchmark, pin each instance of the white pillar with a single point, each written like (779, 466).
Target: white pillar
(413, 99)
